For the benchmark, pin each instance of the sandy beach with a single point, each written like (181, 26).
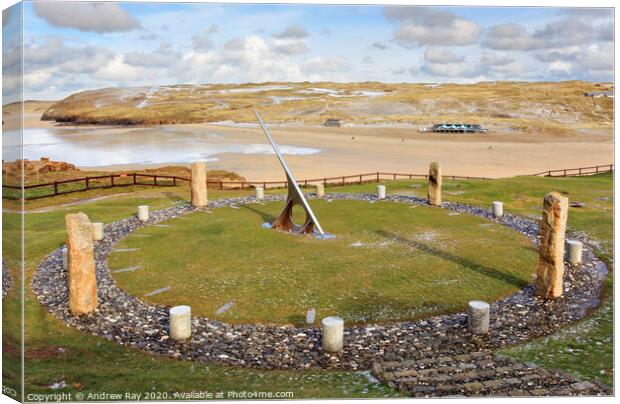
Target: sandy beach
(354, 150)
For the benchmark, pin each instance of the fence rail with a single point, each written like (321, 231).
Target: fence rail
(576, 172)
(122, 180)
(62, 187)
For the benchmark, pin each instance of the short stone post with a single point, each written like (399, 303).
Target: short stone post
(478, 316)
(97, 231)
(65, 259)
(550, 269)
(180, 323)
(497, 209)
(310, 316)
(320, 190)
(333, 334)
(81, 260)
(260, 193)
(434, 184)
(380, 191)
(575, 251)
(143, 213)
(199, 184)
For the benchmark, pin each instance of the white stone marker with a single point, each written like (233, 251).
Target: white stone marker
(478, 315)
(497, 209)
(97, 231)
(310, 316)
(320, 190)
(143, 213)
(65, 262)
(180, 322)
(380, 191)
(260, 193)
(333, 334)
(575, 251)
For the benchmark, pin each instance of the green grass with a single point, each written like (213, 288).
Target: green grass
(273, 277)
(97, 364)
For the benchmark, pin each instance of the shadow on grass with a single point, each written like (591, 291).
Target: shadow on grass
(172, 196)
(266, 217)
(463, 262)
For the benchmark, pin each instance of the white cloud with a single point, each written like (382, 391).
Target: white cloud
(379, 45)
(295, 31)
(325, 65)
(431, 26)
(558, 33)
(95, 17)
(290, 47)
(164, 56)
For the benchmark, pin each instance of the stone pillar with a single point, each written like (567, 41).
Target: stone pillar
(333, 334)
(380, 191)
(260, 193)
(81, 257)
(434, 184)
(575, 251)
(310, 316)
(180, 322)
(550, 269)
(97, 231)
(199, 184)
(497, 209)
(143, 213)
(65, 259)
(478, 316)
(320, 190)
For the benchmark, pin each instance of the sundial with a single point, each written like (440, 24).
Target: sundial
(284, 221)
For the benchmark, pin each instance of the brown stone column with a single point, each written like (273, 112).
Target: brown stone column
(199, 184)
(434, 184)
(550, 269)
(81, 274)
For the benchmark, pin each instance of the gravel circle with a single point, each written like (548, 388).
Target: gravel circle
(7, 280)
(127, 320)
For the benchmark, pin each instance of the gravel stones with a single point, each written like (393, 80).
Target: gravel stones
(130, 321)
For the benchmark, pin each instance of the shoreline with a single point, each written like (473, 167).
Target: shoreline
(355, 150)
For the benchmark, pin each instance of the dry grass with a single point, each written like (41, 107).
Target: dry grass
(548, 107)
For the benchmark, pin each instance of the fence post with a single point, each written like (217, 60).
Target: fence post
(55, 188)
(221, 185)
(394, 176)
(377, 177)
(343, 181)
(242, 185)
(597, 169)
(112, 180)
(360, 179)
(565, 173)
(174, 181)
(579, 171)
(324, 182)
(265, 185)
(611, 167)
(87, 183)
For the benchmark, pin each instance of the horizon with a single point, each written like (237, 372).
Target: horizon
(73, 47)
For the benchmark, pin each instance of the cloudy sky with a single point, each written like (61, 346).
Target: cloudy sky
(70, 47)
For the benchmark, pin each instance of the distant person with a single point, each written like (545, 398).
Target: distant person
(352, 137)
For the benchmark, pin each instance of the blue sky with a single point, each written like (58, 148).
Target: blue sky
(74, 47)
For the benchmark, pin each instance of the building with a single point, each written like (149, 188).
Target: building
(599, 94)
(457, 128)
(334, 123)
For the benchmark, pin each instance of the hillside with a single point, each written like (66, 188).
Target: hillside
(517, 105)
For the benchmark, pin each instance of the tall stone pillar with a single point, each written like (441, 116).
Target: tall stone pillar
(550, 269)
(434, 184)
(81, 257)
(199, 184)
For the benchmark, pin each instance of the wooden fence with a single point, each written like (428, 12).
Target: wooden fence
(576, 172)
(36, 191)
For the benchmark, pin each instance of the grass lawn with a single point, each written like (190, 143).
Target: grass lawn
(376, 269)
(55, 352)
